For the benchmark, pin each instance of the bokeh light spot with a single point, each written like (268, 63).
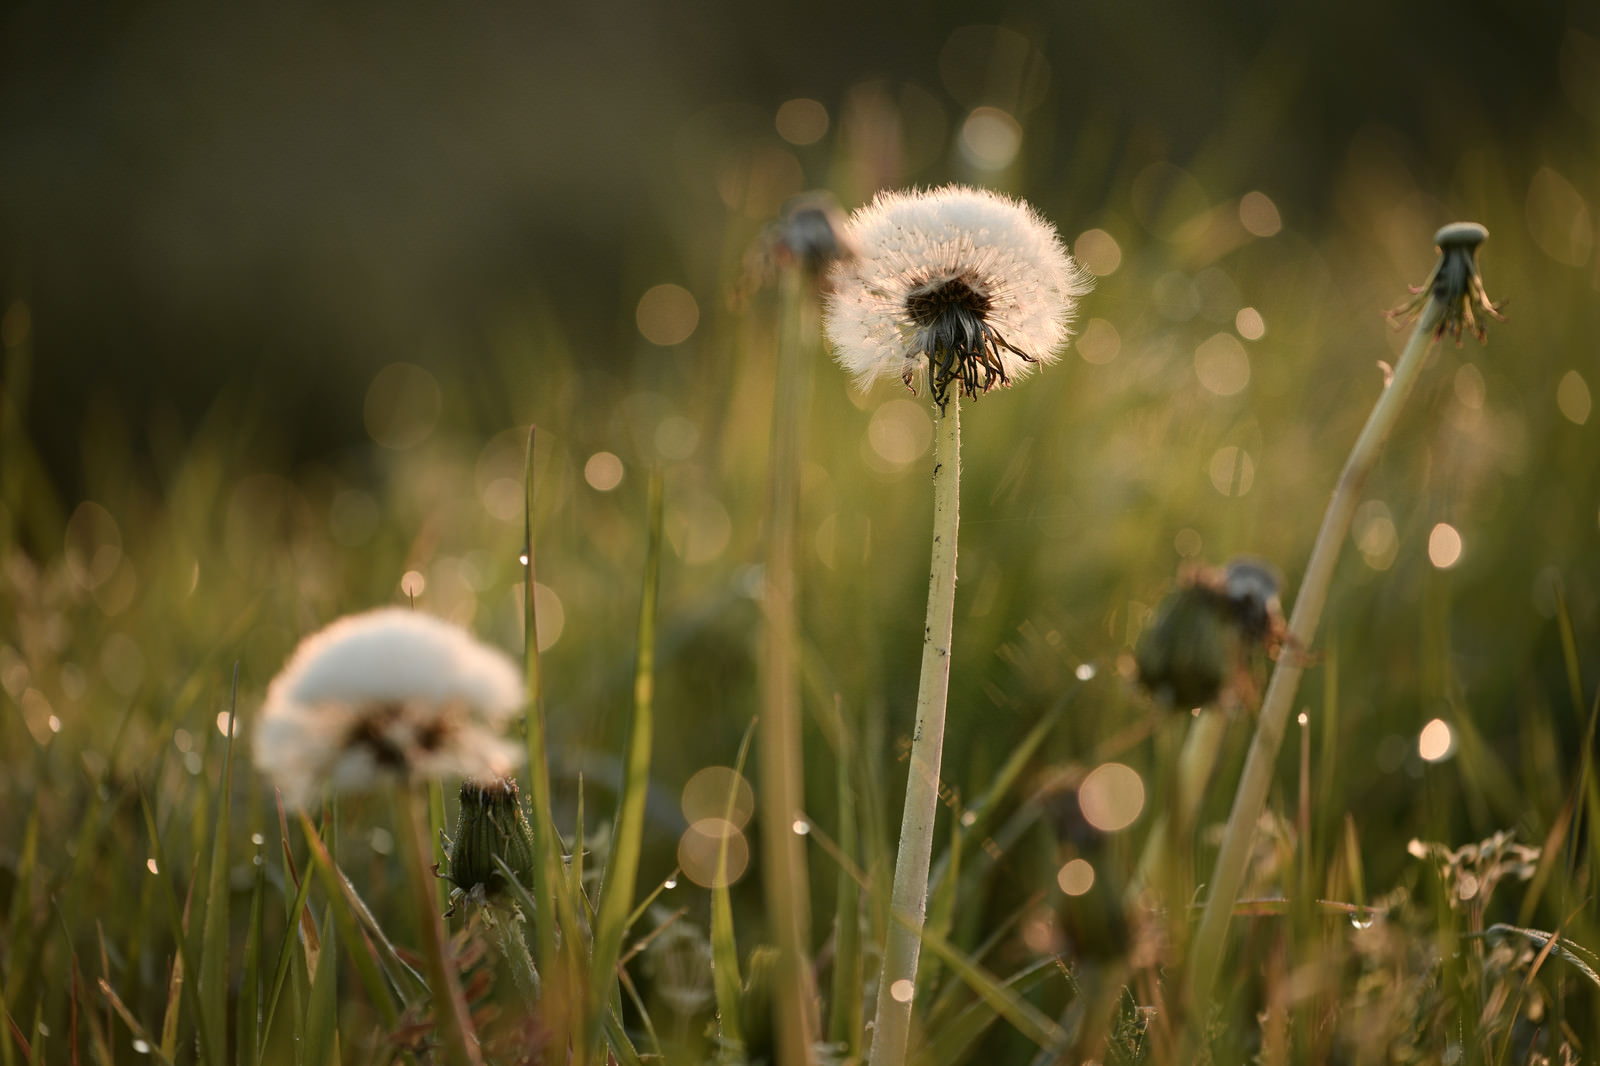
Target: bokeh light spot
(1099, 342)
(1188, 543)
(1111, 797)
(603, 471)
(698, 527)
(1098, 251)
(1249, 324)
(990, 138)
(1232, 471)
(1259, 214)
(1572, 396)
(707, 794)
(1558, 219)
(412, 584)
(93, 545)
(700, 845)
(802, 121)
(1076, 877)
(899, 433)
(667, 315)
(1375, 534)
(1469, 387)
(902, 990)
(676, 437)
(402, 406)
(1444, 546)
(1221, 365)
(1436, 741)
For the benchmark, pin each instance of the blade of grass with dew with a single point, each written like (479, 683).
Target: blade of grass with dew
(300, 932)
(627, 838)
(949, 1044)
(214, 937)
(547, 866)
(178, 927)
(1027, 1019)
(725, 978)
(1209, 943)
(151, 1046)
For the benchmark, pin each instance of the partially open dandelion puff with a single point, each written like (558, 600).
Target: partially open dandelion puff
(390, 693)
(1456, 284)
(973, 284)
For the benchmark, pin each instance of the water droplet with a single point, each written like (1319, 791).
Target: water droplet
(1085, 671)
(151, 865)
(1303, 718)
(1360, 920)
(969, 818)
(141, 1047)
(257, 839)
(523, 558)
(902, 990)
(670, 883)
(801, 826)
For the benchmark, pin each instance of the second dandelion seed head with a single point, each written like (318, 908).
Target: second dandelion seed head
(968, 286)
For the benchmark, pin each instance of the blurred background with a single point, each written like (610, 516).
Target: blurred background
(284, 287)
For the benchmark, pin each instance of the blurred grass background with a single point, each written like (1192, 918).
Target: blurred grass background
(284, 289)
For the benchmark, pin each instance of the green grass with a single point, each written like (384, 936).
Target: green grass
(151, 894)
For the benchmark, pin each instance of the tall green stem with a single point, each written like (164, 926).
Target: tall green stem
(909, 898)
(782, 758)
(1251, 797)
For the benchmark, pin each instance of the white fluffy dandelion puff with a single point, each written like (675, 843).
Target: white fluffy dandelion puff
(389, 693)
(973, 284)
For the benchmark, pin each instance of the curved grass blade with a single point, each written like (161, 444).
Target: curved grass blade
(726, 982)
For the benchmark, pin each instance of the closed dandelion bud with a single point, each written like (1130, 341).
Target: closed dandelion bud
(1198, 644)
(491, 824)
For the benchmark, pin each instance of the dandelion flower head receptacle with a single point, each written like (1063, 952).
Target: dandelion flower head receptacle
(390, 693)
(973, 284)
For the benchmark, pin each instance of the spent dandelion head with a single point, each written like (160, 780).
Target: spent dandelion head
(1456, 284)
(970, 283)
(389, 693)
(809, 236)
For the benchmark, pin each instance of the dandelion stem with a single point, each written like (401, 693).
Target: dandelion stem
(1249, 800)
(449, 1005)
(782, 766)
(909, 897)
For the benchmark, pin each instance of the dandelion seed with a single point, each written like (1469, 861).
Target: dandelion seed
(974, 284)
(389, 693)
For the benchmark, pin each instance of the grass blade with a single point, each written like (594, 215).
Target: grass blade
(213, 976)
(622, 868)
(725, 977)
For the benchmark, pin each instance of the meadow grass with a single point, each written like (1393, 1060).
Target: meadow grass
(157, 904)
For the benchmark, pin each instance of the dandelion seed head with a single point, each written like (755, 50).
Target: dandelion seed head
(389, 693)
(964, 284)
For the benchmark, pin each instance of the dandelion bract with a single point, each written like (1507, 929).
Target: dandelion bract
(973, 283)
(392, 692)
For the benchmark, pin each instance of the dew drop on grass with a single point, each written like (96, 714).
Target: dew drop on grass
(523, 558)
(969, 818)
(141, 1047)
(670, 883)
(151, 865)
(1084, 672)
(801, 827)
(1358, 921)
(257, 839)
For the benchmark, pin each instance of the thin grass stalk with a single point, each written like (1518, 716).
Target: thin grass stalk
(547, 865)
(622, 867)
(844, 1002)
(787, 880)
(1251, 796)
(909, 897)
(458, 1044)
